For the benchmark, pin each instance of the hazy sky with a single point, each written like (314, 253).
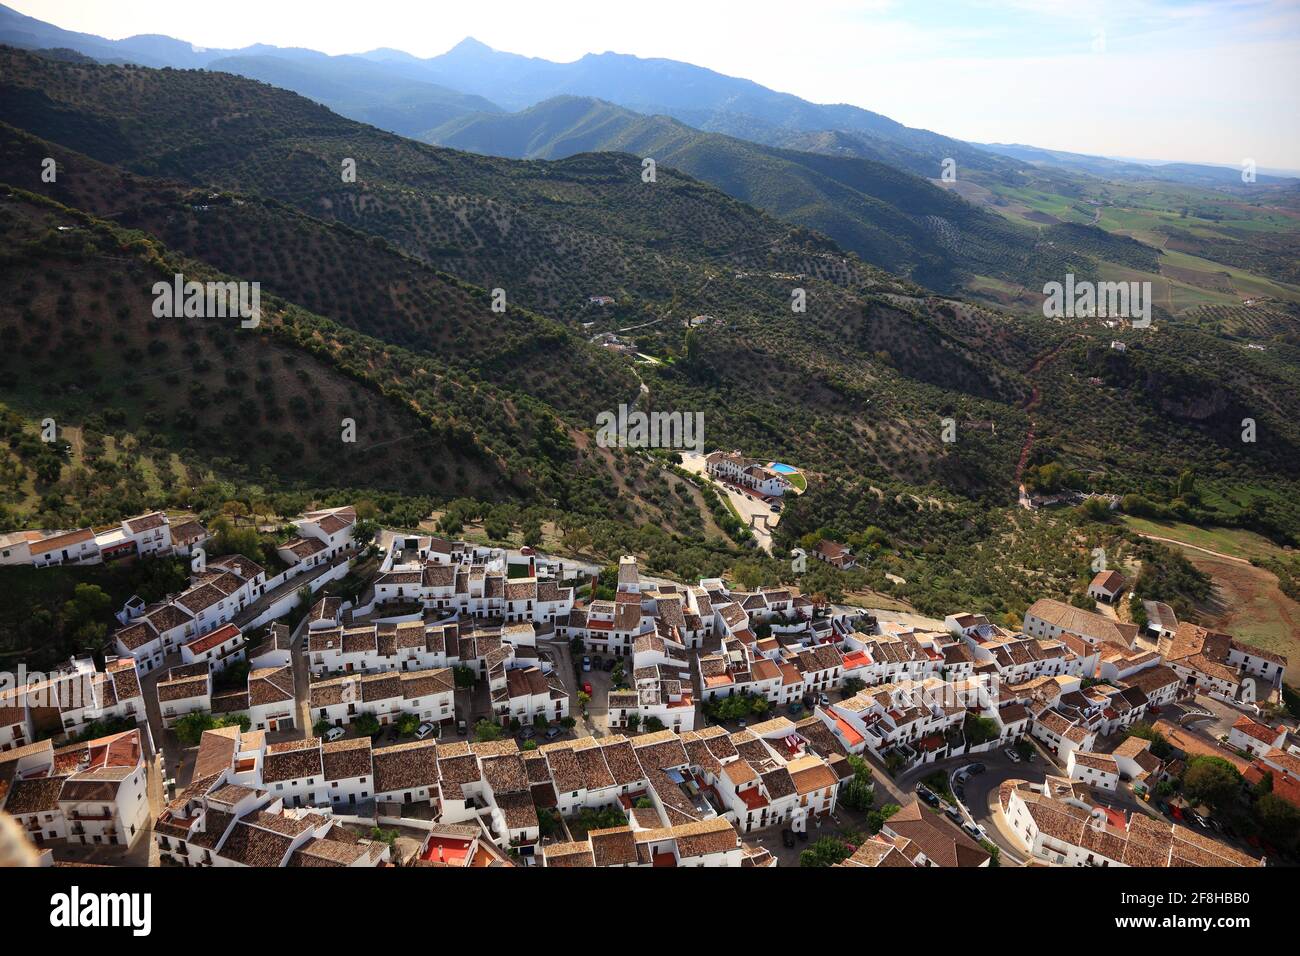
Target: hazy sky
(1211, 81)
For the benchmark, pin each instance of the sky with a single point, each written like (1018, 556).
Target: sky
(1194, 80)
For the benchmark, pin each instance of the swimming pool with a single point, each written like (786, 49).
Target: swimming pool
(781, 469)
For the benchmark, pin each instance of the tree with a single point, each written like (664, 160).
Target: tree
(81, 615)
(1160, 747)
(825, 852)
(653, 723)
(89, 601)
(633, 722)
(980, 730)
(407, 724)
(851, 686)
(1279, 821)
(229, 539)
(364, 531)
(691, 341)
(321, 727)
(485, 730)
(366, 725)
(190, 728)
(876, 819)
(1212, 781)
(464, 675)
(859, 792)
(577, 540)
(748, 575)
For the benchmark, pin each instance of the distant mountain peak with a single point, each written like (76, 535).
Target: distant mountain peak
(469, 46)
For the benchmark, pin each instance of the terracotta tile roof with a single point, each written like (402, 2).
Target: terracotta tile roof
(615, 846)
(346, 759)
(405, 766)
(292, 760)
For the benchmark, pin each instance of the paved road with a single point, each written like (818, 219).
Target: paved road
(756, 514)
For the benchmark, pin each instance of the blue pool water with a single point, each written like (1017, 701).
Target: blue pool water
(781, 469)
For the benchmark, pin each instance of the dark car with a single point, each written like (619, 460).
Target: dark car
(795, 709)
(609, 664)
(803, 836)
(960, 793)
(927, 795)
(953, 814)
(527, 733)
(976, 768)
(787, 837)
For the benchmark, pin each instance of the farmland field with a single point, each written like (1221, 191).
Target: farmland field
(1231, 541)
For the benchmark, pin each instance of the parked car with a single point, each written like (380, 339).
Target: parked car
(586, 687)
(553, 732)
(741, 723)
(424, 730)
(795, 708)
(609, 664)
(927, 795)
(976, 768)
(787, 837)
(461, 727)
(972, 831)
(527, 732)
(959, 792)
(393, 733)
(586, 662)
(334, 733)
(824, 700)
(1012, 755)
(953, 814)
(597, 661)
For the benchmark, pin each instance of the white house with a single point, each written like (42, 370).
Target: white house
(1095, 770)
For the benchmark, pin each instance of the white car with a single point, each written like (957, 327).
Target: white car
(424, 730)
(334, 733)
(1012, 755)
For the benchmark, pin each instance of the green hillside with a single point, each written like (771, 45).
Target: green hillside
(891, 218)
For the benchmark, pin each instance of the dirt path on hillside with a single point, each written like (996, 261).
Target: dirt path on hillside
(1035, 397)
(1195, 547)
